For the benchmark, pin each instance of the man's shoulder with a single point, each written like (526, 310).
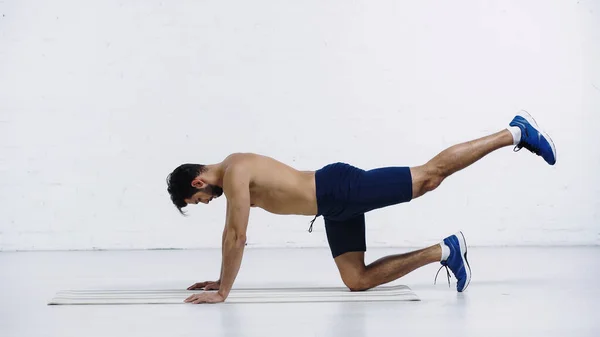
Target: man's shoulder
(237, 172)
(240, 163)
(239, 159)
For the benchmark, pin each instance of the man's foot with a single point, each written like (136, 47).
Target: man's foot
(533, 138)
(457, 261)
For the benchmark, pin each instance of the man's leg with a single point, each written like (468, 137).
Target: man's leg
(522, 132)
(357, 276)
(429, 176)
(346, 239)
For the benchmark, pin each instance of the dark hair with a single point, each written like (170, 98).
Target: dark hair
(179, 183)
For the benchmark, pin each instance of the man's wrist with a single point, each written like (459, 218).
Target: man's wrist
(223, 293)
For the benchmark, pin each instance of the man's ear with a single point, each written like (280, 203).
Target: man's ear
(198, 183)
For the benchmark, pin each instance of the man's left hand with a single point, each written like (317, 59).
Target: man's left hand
(205, 297)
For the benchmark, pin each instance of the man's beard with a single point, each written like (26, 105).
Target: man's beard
(213, 190)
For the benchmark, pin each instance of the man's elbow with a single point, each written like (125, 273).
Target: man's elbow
(239, 239)
(241, 242)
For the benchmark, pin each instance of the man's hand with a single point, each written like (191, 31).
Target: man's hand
(207, 285)
(205, 297)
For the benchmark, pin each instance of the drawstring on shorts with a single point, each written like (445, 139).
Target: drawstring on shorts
(311, 224)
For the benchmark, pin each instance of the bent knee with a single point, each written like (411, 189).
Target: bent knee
(432, 182)
(426, 178)
(356, 283)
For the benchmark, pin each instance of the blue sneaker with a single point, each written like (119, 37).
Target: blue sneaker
(457, 261)
(534, 139)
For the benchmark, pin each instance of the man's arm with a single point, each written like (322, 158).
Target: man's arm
(236, 186)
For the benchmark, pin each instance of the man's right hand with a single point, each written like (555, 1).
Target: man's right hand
(207, 285)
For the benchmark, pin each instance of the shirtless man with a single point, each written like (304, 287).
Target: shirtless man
(342, 194)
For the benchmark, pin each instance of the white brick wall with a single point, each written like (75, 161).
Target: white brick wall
(100, 100)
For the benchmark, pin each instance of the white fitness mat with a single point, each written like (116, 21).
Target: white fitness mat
(242, 295)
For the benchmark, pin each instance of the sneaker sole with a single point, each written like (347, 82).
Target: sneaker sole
(531, 121)
(462, 242)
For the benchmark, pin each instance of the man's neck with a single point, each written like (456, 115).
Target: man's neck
(214, 174)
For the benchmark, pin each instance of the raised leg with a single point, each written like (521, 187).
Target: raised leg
(357, 276)
(429, 176)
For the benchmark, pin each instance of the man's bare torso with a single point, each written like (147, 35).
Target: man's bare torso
(277, 187)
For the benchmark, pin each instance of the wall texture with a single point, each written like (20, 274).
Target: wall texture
(100, 100)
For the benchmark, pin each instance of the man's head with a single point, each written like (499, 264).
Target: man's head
(187, 185)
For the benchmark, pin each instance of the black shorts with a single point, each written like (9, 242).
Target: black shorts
(345, 193)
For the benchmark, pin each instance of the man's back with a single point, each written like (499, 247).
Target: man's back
(274, 186)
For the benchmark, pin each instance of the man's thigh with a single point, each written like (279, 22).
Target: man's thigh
(347, 235)
(379, 188)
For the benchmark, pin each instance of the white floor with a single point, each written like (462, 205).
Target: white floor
(514, 292)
